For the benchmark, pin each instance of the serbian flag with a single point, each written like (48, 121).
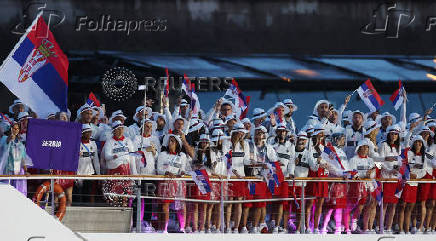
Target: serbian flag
(3, 117)
(370, 96)
(186, 85)
(195, 102)
(241, 101)
(201, 178)
(92, 100)
(404, 171)
(329, 153)
(397, 97)
(378, 192)
(271, 177)
(36, 70)
(167, 84)
(228, 160)
(278, 115)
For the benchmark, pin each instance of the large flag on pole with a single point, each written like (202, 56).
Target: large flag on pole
(397, 97)
(370, 96)
(36, 70)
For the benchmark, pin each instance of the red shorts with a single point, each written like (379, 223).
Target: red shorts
(279, 192)
(216, 190)
(433, 186)
(261, 192)
(389, 193)
(65, 183)
(237, 189)
(338, 195)
(171, 189)
(357, 193)
(424, 189)
(409, 194)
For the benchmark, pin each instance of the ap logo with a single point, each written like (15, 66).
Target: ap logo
(388, 20)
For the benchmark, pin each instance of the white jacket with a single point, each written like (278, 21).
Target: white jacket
(239, 155)
(302, 169)
(285, 152)
(134, 131)
(362, 165)
(121, 149)
(150, 168)
(221, 165)
(334, 167)
(418, 167)
(89, 163)
(389, 169)
(175, 164)
(352, 137)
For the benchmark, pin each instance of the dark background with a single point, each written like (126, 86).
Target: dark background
(237, 27)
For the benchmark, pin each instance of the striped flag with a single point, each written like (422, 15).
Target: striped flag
(201, 178)
(404, 171)
(92, 100)
(228, 160)
(36, 70)
(167, 84)
(397, 97)
(370, 96)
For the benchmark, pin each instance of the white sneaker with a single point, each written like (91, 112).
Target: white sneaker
(354, 225)
(315, 231)
(255, 230)
(372, 231)
(323, 231)
(413, 230)
(188, 230)
(244, 230)
(228, 230)
(297, 232)
(263, 228)
(308, 231)
(281, 230)
(275, 230)
(388, 231)
(235, 230)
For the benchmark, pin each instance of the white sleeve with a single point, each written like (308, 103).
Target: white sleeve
(161, 167)
(107, 151)
(132, 159)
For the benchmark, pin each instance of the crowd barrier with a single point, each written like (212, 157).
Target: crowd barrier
(136, 196)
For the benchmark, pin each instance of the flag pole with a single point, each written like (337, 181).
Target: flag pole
(143, 115)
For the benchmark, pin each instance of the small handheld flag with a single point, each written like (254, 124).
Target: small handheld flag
(397, 97)
(404, 171)
(92, 100)
(201, 178)
(370, 96)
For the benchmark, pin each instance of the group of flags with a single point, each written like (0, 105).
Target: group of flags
(372, 99)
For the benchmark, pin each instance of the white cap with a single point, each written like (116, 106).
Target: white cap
(23, 115)
(118, 113)
(258, 113)
(290, 102)
(369, 126)
(86, 128)
(117, 124)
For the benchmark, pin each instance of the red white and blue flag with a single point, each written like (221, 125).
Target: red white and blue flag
(252, 188)
(186, 85)
(404, 171)
(378, 192)
(241, 101)
(278, 115)
(195, 102)
(370, 96)
(201, 178)
(92, 100)
(228, 160)
(397, 97)
(36, 70)
(329, 153)
(271, 177)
